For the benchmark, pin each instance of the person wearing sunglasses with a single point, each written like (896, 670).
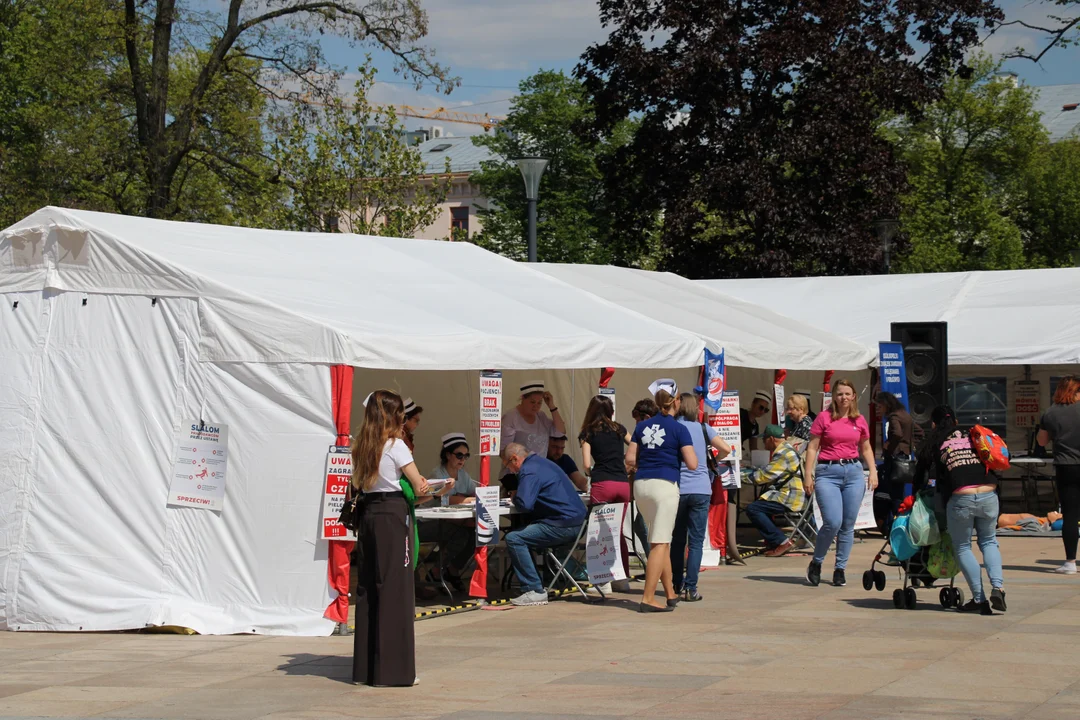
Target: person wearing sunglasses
(458, 535)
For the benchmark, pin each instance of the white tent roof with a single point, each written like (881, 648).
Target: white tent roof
(272, 296)
(1009, 317)
(752, 335)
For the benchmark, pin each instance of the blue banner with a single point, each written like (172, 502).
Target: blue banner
(892, 372)
(715, 379)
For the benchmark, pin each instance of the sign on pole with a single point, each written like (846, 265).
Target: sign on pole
(491, 383)
(892, 371)
(487, 516)
(338, 476)
(199, 466)
(609, 393)
(727, 422)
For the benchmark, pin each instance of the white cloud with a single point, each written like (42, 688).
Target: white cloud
(511, 34)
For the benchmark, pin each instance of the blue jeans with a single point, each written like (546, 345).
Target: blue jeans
(838, 491)
(761, 514)
(537, 536)
(978, 512)
(692, 519)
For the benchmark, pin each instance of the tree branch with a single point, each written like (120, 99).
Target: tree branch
(1056, 35)
(131, 33)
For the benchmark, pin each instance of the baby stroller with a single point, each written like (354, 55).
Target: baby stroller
(913, 565)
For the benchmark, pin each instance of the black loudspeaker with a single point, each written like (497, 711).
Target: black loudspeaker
(926, 361)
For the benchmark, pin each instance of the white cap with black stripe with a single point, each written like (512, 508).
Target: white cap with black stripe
(762, 395)
(449, 440)
(410, 405)
(533, 386)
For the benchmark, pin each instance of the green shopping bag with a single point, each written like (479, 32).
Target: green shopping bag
(922, 527)
(942, 562)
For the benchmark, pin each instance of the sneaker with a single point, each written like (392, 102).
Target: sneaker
(983, 608)
(692, 596)
(1066, 569)
(838, 578)
(622, 586)
(997, 599)
(813, 573)
(780, 550)
(531, 597)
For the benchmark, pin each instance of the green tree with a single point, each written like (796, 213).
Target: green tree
(346, 166)
(574, 213)
(1052, 220)
(970, 156)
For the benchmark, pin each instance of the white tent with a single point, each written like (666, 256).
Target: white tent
(1010, 317)
(115, 330)
(752, 335)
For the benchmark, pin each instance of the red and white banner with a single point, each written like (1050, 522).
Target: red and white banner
(728, 423)
(337, 477)
(491, 383)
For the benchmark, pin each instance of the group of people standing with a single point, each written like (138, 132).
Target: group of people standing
(664, 464)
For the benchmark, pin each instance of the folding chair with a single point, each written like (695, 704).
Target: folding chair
(558, 567)
(802, 523)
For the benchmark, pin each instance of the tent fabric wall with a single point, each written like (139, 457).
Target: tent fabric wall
(91, 544)
(1007, 317)
(752, 335)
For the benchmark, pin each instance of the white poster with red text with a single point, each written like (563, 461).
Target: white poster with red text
(337, 478)
(727, 422)
(491, 384)
(200, 464)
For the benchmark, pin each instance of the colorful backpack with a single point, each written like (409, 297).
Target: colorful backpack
(990, 448)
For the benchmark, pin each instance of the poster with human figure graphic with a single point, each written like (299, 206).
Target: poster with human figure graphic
(200, 465)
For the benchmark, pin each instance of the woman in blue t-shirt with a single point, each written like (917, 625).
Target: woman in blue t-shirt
(658, 449)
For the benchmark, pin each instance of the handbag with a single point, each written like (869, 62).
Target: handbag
(901, 470)
(350, 510)
(710, 459)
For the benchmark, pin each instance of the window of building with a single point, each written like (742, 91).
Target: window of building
(459, 221)
(980, 401)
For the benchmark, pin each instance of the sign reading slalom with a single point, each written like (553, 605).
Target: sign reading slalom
(199, 466)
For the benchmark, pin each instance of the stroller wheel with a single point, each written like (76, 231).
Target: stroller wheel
(879, 580)
(958, 597)
(945, 598)
(868, 580)
(898, 599)
(910, 598)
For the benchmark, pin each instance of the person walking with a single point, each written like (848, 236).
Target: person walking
(972, 505)
(384, 652)
(695, 492)
(1061, 425)
(899, 438)
(834, 474)
(656, 448)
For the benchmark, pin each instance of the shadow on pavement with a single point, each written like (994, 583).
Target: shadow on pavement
(332, 667)
(783, 579)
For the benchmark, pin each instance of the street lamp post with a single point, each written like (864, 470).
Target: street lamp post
(886, 229)
(531, 170)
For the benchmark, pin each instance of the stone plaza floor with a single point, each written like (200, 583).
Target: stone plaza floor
(761, 645)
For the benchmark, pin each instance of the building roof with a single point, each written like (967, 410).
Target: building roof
(1050, 100)
(463, 155)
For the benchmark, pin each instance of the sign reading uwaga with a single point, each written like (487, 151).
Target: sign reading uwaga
(199, 466)
(338, 475)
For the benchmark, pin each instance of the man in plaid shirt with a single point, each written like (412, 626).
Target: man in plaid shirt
(786, 494)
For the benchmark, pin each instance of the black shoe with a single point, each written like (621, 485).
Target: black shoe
(813, 573)
(838, 579)
(672, 602)
(647, 608)
(971, 606)
(691, 596)
(997, 599)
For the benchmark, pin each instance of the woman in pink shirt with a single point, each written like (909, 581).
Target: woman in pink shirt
(834, 474)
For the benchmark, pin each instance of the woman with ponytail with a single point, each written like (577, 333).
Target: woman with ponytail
(658, 448)
(384, 480)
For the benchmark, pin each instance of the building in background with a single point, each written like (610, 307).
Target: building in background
(458, 216)
(1059, 106)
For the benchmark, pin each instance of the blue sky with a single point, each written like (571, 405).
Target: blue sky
(493, 44)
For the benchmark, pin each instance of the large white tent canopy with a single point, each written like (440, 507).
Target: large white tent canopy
(273, 296)
(1008, 317)
(752, 335)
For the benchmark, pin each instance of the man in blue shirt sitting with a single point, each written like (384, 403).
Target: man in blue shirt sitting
(557, 512)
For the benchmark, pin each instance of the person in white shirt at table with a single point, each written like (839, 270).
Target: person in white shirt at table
(458, 535)
(528, 425)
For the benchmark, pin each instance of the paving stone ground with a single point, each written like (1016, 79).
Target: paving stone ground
(761, 645)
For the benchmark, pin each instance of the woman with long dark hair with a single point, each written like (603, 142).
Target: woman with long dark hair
(384, 651)
(603, 447)
(1061, 424)
(963, 480)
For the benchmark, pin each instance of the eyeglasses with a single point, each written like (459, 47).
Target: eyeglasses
(461, 455)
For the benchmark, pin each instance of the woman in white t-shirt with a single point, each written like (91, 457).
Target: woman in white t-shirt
(384, 652)
(527, 424)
